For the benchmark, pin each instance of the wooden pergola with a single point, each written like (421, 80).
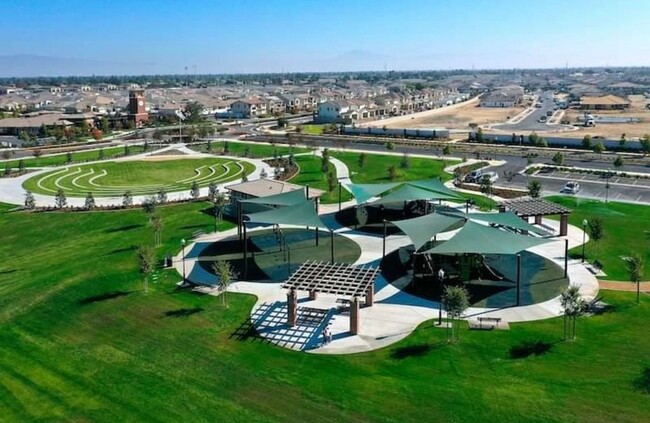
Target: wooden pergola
(340, 279)
(538, 207)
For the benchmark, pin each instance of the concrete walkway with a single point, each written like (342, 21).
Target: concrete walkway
(12, 191)
(395, 313)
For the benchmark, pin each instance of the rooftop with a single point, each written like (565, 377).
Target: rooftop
(534, 207)
(332, 278)
(265, 187)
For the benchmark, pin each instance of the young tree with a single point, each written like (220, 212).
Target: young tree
(161, 196)
(392, 172)
(645, 144)
(89, 204)
(225, 275)
(103, 124)
(127, 150)
(127, 199)
(147, 263)
(599, 148)
(68, 158)
(21, 166)
(586, 142)
(331, 181)
(533, 138)
(558, 159)
(7, 171)
(247, 151)
(455, 300)
(390, 145)
(37, 153)
(226, 147)
(213, 191)
(596, 231)
(534, 188)
(30, 202)
(363, 157)
(60, 199)
(479, 135)
(573, 306)
(446, 150)
(102, 154)
(220, 202)
(618, 161)
(156, 223)
(325, 163)
(622, 141)
(208, 146)
(195, 191)
(486, 185)
(635, 267)
(405, 163)
(157, 135)
(149, 206)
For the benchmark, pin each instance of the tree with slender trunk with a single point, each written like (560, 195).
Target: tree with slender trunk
(127, 199)
(195, 191)
(635, 267)
(60, 200)
(225, 275)
(534, 189)
(573, 306)
(161, 197)
(30, 202)
(596, 232)
(89, 204)
(147, 263)
(486, 185)
(157, 225)
(149, 206)
(362, 160)
(220, 201)
(455, 300)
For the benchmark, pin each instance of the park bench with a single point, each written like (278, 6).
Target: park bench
(343, 303)
(495, 320)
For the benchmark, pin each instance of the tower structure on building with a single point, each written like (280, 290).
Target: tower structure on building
(138, 107)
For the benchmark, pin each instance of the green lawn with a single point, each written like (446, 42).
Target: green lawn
(626, 228)
(312, 129)
(78, 157)
(255, 150)
(139, 176)
(312, 175)
(82, 342)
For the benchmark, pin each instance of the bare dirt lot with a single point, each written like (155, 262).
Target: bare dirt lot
(451, 117)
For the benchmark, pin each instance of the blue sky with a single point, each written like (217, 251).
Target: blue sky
(164, 36)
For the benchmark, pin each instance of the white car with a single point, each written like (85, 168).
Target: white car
(571, 187)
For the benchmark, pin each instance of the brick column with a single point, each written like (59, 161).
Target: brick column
(354, 316)
(313, 295)
(564, 224)
(538, 219)
(292, 307)
(370, 295)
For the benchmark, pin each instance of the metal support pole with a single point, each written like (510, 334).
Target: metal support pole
(383, 249)
(184, 275)
(440, 313)
(584, 232)
(316, 229)
(332, 244)
(566, 257)
(339, 195)
(518, 277)
(245, 253)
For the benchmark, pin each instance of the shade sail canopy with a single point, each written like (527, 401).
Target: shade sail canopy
(289, 198)
(364, 192)
(436, 185)
(300, 215)
(421, 229)
(508, 219)
(475, 238)
(408, 192)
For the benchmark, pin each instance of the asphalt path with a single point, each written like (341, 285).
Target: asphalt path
(531, 122)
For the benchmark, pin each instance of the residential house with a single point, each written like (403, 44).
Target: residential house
(248, 108)
(606, 102)
(332, 111)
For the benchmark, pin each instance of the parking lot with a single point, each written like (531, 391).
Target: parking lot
(590, 177)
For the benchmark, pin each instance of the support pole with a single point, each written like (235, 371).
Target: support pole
(316, 229)
(292, 307)
(245, 253)
(339, 195)
(566, 257)
(354, 316)
(332, 245)
(518, 277)
(383, 248)
(239, 219)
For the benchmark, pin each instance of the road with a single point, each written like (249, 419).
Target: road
(531, 122)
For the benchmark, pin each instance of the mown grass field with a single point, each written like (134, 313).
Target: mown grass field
(77, 157)
(311, 174)
(82, 342)
(626, 230)
(139, 176)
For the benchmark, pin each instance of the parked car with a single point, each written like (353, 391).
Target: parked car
(492, 175)
(474, 176)
(571, 187)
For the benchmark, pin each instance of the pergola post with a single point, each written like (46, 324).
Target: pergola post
(313, 295)
(292, 307)
(370, 295)
(518, 278)
(566, 257)
(564, 224)
(354, 316)
(538, 219)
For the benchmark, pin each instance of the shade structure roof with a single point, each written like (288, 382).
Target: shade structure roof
(421, 229)
(508, 219)
(475, 238)
(289, 198)
(436, 185)
(300, 215)
(408, 192)
(534, 207)
(341, 279)
(364, 192)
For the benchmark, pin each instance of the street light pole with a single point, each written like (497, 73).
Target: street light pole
(183, 258)
(584, 233)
